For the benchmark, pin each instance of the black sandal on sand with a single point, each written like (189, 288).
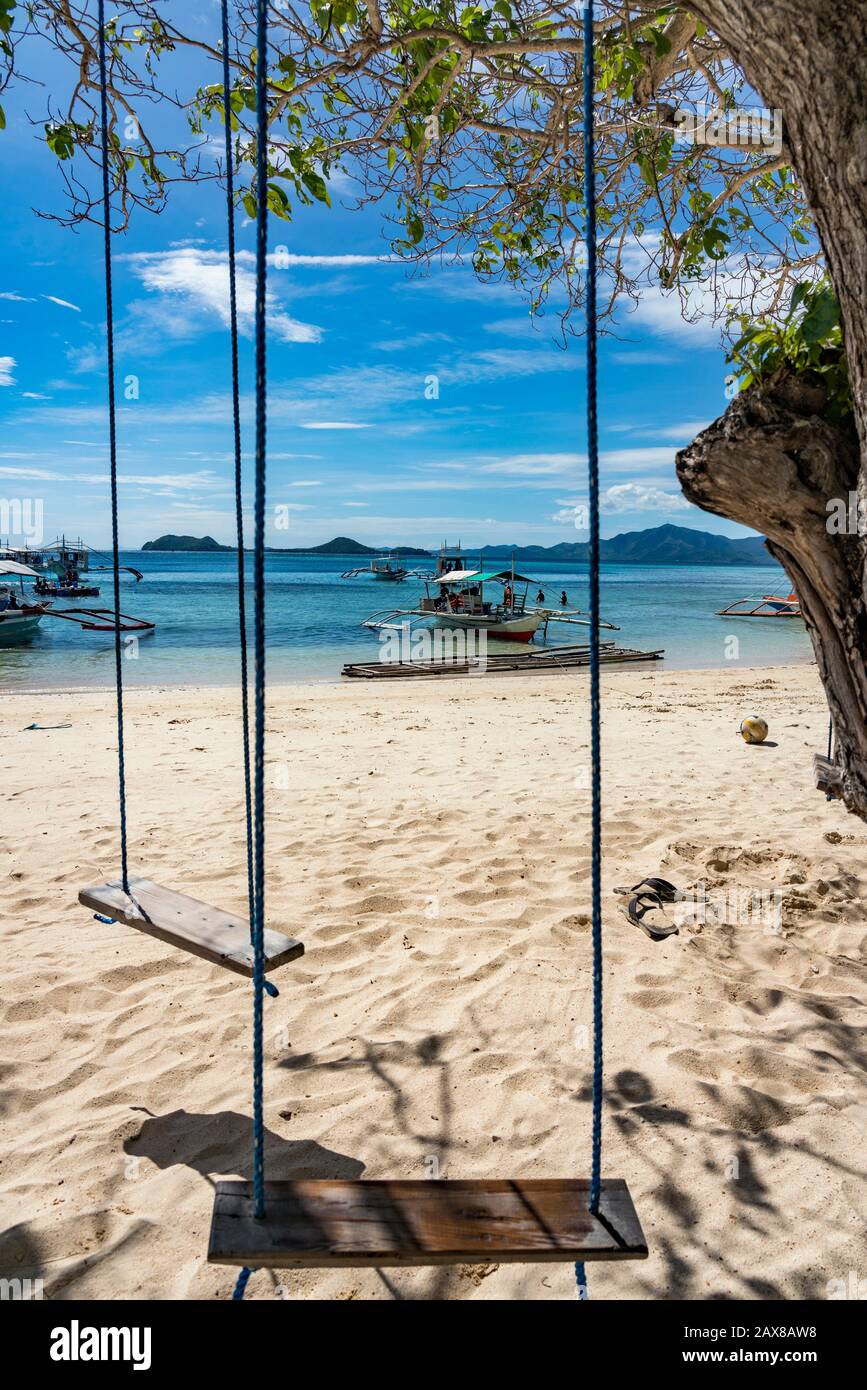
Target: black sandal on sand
(665, 891)
(638, 909)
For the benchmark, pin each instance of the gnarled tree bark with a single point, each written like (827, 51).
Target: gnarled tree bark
(773, 461)
(774, 450)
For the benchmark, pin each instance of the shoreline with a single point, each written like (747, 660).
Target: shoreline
(660, 668)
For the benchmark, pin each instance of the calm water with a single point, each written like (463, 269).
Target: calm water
(314, 617)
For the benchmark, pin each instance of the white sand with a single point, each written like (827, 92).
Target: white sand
(429, 843)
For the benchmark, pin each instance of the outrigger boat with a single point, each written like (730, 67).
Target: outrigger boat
(384, 567)
(19, 620)
(763, 606)
(57, 568)
(457, 599)
(43, 589)
(101, 620)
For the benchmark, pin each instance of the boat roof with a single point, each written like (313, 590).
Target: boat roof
(480, 576)
(13, 567)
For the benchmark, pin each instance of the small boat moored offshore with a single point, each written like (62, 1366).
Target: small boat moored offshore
(384, 567)
(763, 606)
(43, 589)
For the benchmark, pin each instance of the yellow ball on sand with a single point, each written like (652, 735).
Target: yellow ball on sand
(754, 730)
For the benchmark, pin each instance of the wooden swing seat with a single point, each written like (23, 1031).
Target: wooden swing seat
(316, 1224)
(829, 777)
(179, 920)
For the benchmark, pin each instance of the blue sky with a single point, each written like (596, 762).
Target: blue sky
(355, 446)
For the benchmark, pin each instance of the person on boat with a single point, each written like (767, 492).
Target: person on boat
(564, 599)
(453, 602)
(507, 595)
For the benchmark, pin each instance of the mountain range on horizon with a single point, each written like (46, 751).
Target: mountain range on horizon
(657, 545)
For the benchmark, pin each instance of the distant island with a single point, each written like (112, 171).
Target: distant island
(658, 545)
(341, 545)
(186, 543)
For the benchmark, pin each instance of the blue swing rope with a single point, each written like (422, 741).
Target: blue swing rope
(259, 601)
(255, 804)
(595, 721)
(236, 423)
(257, 919)
(258, 827)
(112, 438)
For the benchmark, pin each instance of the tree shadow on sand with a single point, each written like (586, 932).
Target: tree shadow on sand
(221, 1143)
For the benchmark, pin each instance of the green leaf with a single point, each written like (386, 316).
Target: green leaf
(798, 294)
(2, 119)
(821, 318)
(391, 160)
(315, 184)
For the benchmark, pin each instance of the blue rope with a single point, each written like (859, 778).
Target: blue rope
(595, 720)
(112, 436)
(254, 797)
(258, 919)
(236, 423)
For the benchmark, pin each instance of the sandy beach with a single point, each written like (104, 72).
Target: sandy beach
(429, 844)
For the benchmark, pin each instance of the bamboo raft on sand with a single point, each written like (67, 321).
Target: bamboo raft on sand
(545, 659)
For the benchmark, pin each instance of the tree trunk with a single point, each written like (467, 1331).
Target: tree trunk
(773, 462)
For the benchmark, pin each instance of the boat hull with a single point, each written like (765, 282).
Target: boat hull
(16, 628)
(522, 628)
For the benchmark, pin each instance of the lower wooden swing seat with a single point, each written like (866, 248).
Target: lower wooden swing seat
(319, 1224)
(829, 776)
(182, 921)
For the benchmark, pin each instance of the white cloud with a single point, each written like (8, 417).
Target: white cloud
(64, 303)
(565, 464)
(626, 497)
(496, 363)
(200, 280)
(34, 396)
(663, 312)
(333, 425)
(682, 433)
(635, 460)
(17, 298)
(414, 340)
(514, 328)
(177, 482)
(634, 497)
(6, 366)
(463, 284)
(281, 259)
(535, 465)
(644, 357)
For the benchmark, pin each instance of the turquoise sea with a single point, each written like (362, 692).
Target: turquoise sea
(314, 617)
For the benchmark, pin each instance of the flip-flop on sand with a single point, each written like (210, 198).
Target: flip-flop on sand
(665, 891)
(638, 909)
